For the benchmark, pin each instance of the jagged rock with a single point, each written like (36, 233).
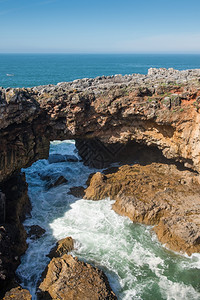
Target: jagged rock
(77, 191)
(68, 278)
(35, 232)
(18, 293)
(156, 194)
(62, 247)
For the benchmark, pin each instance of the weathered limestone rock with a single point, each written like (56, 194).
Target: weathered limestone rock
(68, 278)
(62, 247)
(160, 109)
(156, 194)
(18, 293)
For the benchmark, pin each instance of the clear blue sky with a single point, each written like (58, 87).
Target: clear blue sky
(103, 26)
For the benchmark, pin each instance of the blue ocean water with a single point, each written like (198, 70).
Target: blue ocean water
(27, 70)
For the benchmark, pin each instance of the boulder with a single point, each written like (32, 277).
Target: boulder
(35, 232)
(68, 278)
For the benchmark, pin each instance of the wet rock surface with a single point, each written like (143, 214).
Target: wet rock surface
(77, 191)
(68, 278)
(155, 194)
(35, 232)
(56, 182)
(56, 158)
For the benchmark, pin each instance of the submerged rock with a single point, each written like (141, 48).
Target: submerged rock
(62, 247)
(35, 232)
(56, 158)
(68, 278)
(18, 293)
(77, 191)
(60, 180)
(156, 194)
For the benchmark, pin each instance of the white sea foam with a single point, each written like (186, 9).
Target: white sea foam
(137, 266)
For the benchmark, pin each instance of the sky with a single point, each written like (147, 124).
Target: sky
(103, 26)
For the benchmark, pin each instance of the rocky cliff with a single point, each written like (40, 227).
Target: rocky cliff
(160, 109)
(111, 118)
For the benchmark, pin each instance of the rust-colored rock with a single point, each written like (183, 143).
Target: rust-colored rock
(156, 194)
(62, 247)
(68, 278)
(18, 293)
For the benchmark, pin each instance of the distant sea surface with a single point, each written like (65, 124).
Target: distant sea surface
(27, 70)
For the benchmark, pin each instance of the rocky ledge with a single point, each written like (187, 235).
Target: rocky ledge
(155, 194)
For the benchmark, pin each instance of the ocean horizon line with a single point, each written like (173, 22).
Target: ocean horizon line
(103, 53)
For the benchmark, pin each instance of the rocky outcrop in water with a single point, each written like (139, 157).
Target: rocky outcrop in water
(68, 278)
(155, 194)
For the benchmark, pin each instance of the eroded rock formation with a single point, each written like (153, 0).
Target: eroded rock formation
(160, 109)
(155, 194)
(105, 116)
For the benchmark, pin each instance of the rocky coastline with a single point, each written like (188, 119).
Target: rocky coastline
(112, 119)
(155, 194)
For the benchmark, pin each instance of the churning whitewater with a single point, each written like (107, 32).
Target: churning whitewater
(136, 264)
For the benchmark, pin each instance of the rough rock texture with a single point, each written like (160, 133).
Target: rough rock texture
(12, 233)
(62, 247)
(160, 109)
(18, 294)
(156, 194)
(68, 278)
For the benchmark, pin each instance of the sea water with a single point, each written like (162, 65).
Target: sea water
(136, 264)
(27, 70)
